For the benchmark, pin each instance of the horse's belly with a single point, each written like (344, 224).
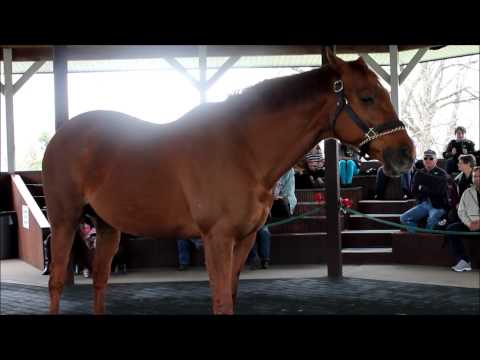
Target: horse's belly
(148, 218)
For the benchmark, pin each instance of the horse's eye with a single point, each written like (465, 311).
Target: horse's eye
(367, 99)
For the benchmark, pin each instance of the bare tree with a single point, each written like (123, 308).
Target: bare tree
(431, 98)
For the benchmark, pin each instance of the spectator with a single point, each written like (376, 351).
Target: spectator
(284, 204)
(261, 256)
(431, 190)
(119, 261)
(184, 247)
(349, 165)
(466, 163)
(310, 169)
(469, 214)
(382, 181)
(84, 247)
(456, 147)
(46, 254)
(302, 180)
(284, 196)
(462, 181)
(315, 166)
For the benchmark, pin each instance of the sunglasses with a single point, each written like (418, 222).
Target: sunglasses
(428, 158)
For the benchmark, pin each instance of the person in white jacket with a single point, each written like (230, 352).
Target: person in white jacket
(469, 214)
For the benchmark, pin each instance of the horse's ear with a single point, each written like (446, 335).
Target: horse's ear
(362, 62)
(337, 63)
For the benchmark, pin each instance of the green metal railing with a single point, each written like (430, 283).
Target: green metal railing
(412, 229)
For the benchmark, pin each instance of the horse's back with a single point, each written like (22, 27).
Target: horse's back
(106, 126)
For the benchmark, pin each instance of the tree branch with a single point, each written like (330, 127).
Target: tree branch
(457, 102)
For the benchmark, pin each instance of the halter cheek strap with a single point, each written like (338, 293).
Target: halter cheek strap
(370, 133)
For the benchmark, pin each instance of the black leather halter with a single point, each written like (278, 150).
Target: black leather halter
(370, 133)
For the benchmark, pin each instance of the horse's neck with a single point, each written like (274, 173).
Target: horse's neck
(286, 136)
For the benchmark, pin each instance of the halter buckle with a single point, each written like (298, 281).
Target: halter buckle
(371, 133)
(338, 86)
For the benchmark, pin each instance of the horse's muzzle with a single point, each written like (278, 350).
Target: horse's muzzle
(397, 161)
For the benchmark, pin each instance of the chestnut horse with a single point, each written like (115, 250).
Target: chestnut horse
(163, 180)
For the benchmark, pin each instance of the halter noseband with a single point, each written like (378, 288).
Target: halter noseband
(370, 133)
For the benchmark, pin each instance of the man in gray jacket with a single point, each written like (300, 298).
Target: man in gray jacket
(469, 214)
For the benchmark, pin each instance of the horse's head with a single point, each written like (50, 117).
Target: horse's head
(365, 117)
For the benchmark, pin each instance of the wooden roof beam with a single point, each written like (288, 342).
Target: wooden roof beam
(106, 52)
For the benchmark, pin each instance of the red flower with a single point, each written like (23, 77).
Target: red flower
(346, 202)
(318, 197)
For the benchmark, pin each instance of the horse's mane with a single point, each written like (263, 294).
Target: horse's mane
(277, 93)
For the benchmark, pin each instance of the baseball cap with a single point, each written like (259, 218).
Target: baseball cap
(430, 153)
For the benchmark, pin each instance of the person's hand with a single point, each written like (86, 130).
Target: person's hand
(454, 151)
(298, 171)
(474, 225)
(423, 188)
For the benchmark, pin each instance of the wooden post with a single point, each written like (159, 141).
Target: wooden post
(1, 92)
(334, 234)
(202, 64)
(60, 72)
(394, 79)
(9, 121)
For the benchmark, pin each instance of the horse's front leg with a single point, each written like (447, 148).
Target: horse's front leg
(219, 260)
(240, 255)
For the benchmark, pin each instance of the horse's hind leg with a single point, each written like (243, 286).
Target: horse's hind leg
(108, 240)
(63, 225)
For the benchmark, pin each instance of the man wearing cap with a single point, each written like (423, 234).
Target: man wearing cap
(456, 147)
(430, 189)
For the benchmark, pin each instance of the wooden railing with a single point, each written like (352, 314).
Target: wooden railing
(33, 226)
